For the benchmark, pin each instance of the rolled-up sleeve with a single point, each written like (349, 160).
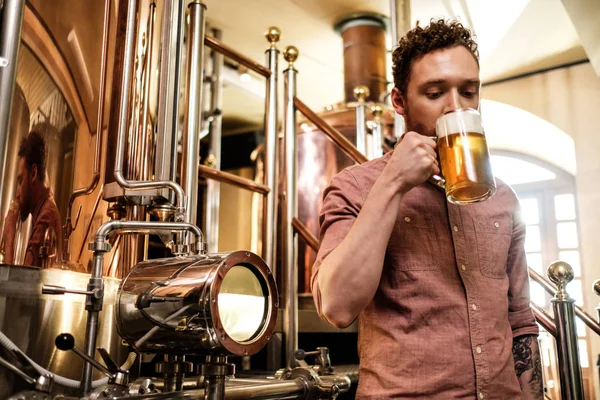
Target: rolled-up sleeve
(342, 201)
(520, 315)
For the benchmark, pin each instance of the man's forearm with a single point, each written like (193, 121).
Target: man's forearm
(358, 258)
(528, 366)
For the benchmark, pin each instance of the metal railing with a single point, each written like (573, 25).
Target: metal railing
(268, 189)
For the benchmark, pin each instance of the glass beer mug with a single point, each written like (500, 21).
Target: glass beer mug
(464, 157)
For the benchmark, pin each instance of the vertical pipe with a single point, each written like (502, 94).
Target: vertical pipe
(214, 187)
(11, 20)
(571, 383)
(290, 198)
(361, 92)
(269, 241)
(400, 24)
(214, 388)
(93, 306)
(145, 173)
(193, 108)
(168, 95)
(377, 132)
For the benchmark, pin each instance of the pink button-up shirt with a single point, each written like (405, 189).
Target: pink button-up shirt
(453, 293)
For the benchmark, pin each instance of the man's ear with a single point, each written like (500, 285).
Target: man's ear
(398, 101)
(34, 173)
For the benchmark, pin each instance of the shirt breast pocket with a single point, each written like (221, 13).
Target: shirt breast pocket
(413, 245)
(493, 237)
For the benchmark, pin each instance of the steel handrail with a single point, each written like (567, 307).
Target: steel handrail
(544, 319)
(226, 177)
(551, 289)
(232, 54)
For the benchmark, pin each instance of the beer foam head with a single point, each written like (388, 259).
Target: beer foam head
(464, 120)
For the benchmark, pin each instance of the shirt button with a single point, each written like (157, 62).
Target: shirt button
(455, 228)
(406, 219)
(478, 350)
(474, 307)
(496, 224)
(480, 395)
(462, 266)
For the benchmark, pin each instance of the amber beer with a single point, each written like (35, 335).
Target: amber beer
(464, 157)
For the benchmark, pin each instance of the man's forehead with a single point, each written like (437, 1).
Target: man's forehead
(445, 65)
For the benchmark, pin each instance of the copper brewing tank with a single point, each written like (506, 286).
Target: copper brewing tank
(319, 159)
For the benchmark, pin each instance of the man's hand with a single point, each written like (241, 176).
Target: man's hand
(8, 237)
(413, 161)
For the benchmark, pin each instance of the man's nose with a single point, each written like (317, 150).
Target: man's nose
(453, 102)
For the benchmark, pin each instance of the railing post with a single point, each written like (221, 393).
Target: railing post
(290, 207)
(361, 92)
(213, 188)
(269, 239)
(597, 291)
(571, 383)
(377, 131)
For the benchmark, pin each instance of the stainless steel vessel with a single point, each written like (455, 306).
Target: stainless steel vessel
(32, 320)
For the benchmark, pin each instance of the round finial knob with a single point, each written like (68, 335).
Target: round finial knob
(273, 34)
(65, 341)
(290, 54)
(597, 286)
(377, 110)
(560, 273)
(361, 92)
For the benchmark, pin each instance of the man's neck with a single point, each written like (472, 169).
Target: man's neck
(39, 194)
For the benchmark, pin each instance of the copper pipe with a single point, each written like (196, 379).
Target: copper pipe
(551, 289)
(303, 231)
(339, 139)
(226, 177)
(544, 319)
(232, 54)
(89, 226)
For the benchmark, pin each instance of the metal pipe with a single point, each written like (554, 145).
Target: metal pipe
(340, 140)
(307, 235)
(544, 319)
(361, 92)
(89, 226)
(68, 229)
(571, 383)
(290, 200)
(11, 20)
(214, 388)
(551, 289)
(226, 177)
(269, 233)
(596, 287)
(213, 189)
(142, 227)
(17, 371)
(193, 108)
(145, 172)
(168, 94)
(289, 389)
(377, 132)
(122, 128)
(234, 55)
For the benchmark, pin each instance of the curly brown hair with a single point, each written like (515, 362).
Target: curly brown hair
(440, 34)
(33, 150)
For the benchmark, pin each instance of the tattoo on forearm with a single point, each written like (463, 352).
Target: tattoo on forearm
(527, 358)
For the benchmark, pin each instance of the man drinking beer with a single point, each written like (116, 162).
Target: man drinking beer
(440, 289)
